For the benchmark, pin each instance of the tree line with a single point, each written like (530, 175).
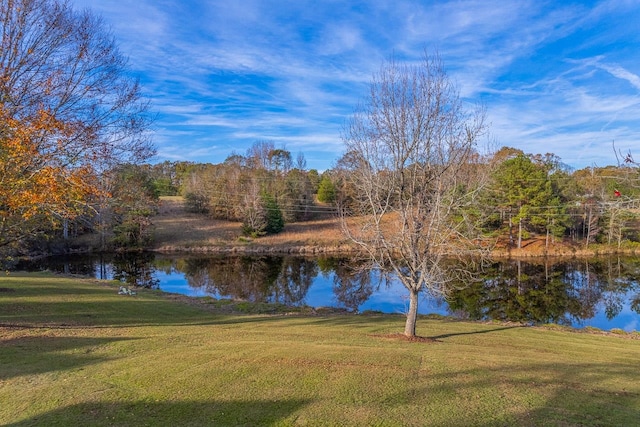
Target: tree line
(526, 195)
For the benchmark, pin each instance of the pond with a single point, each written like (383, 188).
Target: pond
(602, 292)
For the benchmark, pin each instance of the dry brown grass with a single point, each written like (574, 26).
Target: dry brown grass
(179, 230)
(176, 227)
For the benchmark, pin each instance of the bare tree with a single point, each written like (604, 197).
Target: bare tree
(67, 64)
(413, 163)
(254, 217)
(258, 155)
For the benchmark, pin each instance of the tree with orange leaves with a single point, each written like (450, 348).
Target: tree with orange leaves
(69, 111)
(37, 188)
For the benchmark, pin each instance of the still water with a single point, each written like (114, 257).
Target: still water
(602, 292)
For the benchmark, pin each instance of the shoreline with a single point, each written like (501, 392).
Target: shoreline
(559, 251)
(178, 231)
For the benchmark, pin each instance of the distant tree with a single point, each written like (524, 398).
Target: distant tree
(296, 198)
(252, 210)
(301, 162)
(258, 155)
(69, 110)
(195, 188)
(261, 215)
(411, 159)
(346, 191)
(506, 153)
(233, 190)
(164, 187)
(326, 190)
(222, 184)
(133, 202)
(522, 187)
(279, 161)
(165, 178)
(562, 188)
(273, 214)
(314, 179)
(608, 201)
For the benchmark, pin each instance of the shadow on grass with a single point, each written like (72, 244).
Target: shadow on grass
(113, 315)
(484, 331)
(36, 355)
(187, 413)
(533, 394)
(107, 313)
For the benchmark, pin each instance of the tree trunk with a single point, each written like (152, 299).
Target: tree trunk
(546, 242)
(611, 225)
(510, 232)
(588, 229)
(412, 315)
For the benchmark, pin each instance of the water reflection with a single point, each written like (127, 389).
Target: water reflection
(568, 292)
(352, 284)
(257, 279)
(523, 292)
(134, 270)
(601, 292)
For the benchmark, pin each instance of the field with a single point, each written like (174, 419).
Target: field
(74, 352)
(178, 230)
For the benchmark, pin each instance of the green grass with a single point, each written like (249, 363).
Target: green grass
(73, 352)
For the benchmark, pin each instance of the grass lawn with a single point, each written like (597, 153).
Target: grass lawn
(74, 352)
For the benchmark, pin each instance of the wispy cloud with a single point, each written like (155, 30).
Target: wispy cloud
(623, 74)
(554, 77)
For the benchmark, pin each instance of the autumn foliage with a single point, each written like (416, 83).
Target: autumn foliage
(38, 184)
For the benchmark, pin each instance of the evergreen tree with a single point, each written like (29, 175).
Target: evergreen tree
(273, 214)
(263, 217)
(523, 192)
(326, 190)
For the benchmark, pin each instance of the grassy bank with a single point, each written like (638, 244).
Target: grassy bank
(74, 352)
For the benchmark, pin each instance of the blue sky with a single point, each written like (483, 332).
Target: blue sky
(555, 76)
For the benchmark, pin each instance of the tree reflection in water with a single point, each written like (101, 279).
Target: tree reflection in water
(565, 292)
(135, 270)
(258, 279)
(352, 283)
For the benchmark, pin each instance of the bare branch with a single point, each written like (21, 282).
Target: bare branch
(415, 173)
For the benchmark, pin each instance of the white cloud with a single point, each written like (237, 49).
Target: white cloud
(554, 77)
(621, 73)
